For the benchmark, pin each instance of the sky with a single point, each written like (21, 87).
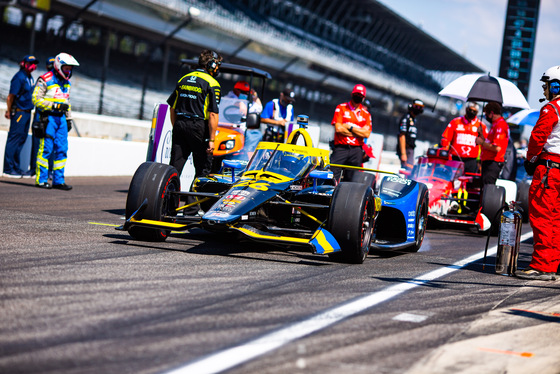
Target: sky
(475, 28)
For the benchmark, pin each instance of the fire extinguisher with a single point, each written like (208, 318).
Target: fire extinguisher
(509, 237)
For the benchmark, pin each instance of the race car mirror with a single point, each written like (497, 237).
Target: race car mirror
(253, 121)
(320, 174)
(233, 164)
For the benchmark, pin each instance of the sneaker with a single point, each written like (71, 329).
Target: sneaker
(44, 185)
(530, 273)
(62, 186)
(12, 175)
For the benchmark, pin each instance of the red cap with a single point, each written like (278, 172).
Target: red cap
(242, 86)
(359, 88)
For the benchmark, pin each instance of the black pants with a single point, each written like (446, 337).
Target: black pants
(471, 164)
(346, 155)
(490, 171)
(189, 136)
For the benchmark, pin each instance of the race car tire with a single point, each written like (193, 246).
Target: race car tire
(421, 218)
(152, 181)
(350, 221)
(523, 198)
(364, 178)
(493, 199)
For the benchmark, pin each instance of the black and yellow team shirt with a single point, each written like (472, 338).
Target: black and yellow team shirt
(196, 94)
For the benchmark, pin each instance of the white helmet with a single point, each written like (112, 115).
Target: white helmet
(551, 74)
(64, 59)
(551, 78)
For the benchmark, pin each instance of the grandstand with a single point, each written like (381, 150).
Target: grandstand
(129, 52)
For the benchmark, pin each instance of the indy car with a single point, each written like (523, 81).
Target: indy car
(284, 195)
(459, 198)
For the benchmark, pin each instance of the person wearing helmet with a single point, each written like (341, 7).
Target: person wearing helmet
(543, 163)
(460, 137)
(35, 140)
(51, 96)
(18, 110)
(352, 124)
(194, 115)
(494, 146)
(407, 134)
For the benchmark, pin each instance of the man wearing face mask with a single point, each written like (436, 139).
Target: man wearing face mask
(460, 137)
(407, 134)
(543, 163)
(19, 106)
(352, 124)
(277, 114)
(494, 145)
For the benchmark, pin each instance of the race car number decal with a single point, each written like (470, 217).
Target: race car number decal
(396, 179)
(261, 186)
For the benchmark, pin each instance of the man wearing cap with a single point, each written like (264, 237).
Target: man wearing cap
(19, 106)
(242, 90)
(407, 134)
(276, 114)
(460, 137)
(494, 145)
(352, 124)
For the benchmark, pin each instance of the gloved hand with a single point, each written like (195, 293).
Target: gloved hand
(530, 167)
(60, 107)
(69, 123)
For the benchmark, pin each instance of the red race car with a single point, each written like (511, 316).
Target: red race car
(455, 196)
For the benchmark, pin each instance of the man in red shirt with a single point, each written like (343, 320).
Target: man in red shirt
(494, 146)
(352, 123)
(543, 162)
(460, 137)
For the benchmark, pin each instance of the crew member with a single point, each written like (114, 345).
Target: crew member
(18, 111)
(49, 65)
(407, 134)
(51, 96)
(494, 146)
(460, 137)
(543, 162)
(352, 124)
(277, 114)
(194, 115)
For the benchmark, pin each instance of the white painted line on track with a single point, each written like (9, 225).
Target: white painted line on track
(231, 357)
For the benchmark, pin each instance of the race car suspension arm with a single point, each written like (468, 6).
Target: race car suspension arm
(297, 207)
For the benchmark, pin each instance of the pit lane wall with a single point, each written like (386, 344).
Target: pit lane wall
(113, 146)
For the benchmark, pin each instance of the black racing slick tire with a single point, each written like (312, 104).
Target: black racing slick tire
(364, 178)
(155, 182)
(351, 221)
(421, 218)
(493, 200)
(523, 198)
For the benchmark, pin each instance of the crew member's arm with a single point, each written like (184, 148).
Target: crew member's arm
(342, 129)
(402, 147)
(9, 103)
(362, 132)
(213, 120)
(487, 145)
(38, 96)
(172, 115)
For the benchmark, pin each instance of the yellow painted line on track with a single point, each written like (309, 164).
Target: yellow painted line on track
(103, 224)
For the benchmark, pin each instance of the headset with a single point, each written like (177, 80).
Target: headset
(213, 64)
(554, 88)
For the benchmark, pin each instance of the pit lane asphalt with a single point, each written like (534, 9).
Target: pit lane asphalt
(79, 297)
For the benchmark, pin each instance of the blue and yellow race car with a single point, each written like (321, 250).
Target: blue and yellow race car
(286, 195)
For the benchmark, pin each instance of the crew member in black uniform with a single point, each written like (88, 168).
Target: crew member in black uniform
(194, 116)
(407, 134)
